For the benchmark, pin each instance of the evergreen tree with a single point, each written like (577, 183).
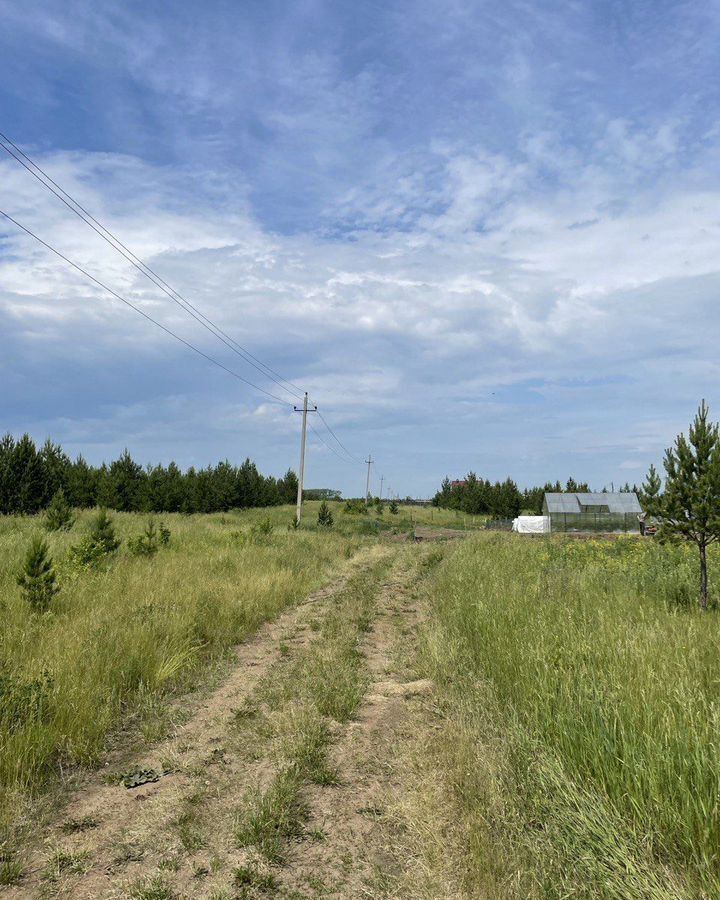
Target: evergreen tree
(325, 517)
(147, 544)
(124, 484)
(82, 483)
(27, 478)
(7, 448)
(288, 487)
(56, 466)
(689, 509)
(59, 516)
(102, 532)
(37, 576)
(394, 509)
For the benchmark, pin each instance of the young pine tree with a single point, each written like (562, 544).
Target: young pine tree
(37, 576)
(58, 516)
(689, 510)
(146, 544)
(394, 509)
(325, 517)
(102, 533)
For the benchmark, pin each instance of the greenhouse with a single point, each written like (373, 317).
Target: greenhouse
(593, 512)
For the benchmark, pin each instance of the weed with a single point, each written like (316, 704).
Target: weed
(62, 862)
(273, 816)
(11, 871)
(151, 889)
(188, 831)
(245, 876)
(72, 826)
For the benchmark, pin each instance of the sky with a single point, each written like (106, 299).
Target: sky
(483, 236)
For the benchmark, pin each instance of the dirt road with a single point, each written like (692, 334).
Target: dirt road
(283, 781)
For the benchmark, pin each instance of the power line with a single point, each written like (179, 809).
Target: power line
(329, 446)
(74, 206)
(340, 443)
(140, 311)
(112, 240)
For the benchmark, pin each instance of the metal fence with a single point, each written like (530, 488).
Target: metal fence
(499, 524)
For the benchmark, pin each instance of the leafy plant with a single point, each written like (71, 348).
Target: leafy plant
(325, 517)
(37, 577)
(59, 516)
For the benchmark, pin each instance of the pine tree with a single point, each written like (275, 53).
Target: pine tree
(59, 516)
(37, 576)
(394, 509)
(146, 544)
(325, 517)
(102, 533)
(689, 509)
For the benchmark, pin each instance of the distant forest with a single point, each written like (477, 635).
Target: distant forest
(503, 499)
(29, 478)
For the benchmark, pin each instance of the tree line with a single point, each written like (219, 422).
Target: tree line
(31, 476)
(502, 499)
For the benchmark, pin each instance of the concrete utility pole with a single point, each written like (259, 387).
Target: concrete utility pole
(301, 476)
(367, 485)
(382, 479)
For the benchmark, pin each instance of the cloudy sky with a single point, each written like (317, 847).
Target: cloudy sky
(482, 235)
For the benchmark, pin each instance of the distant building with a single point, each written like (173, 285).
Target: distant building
(593, 512)
(458, 484)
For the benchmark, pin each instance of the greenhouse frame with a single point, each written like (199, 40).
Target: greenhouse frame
(593, 512)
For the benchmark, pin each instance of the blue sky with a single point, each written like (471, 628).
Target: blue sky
(483, 236)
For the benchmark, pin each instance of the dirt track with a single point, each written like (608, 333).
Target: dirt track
(176, 837)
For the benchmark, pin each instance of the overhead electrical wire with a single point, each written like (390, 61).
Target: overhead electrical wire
(74, 206)
(140, 311)
(323, 441)
(339, 442)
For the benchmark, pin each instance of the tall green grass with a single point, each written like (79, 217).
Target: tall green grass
(605, 685)
(120, 637)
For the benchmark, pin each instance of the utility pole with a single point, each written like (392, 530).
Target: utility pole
(367, 486)
(382, 478)
(301, 476)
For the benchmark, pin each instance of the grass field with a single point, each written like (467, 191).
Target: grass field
(583, 711)
(568, 750)
(121, 636)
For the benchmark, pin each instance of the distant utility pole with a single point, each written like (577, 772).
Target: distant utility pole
(301, 477)
(367, 486)
(382, 479)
